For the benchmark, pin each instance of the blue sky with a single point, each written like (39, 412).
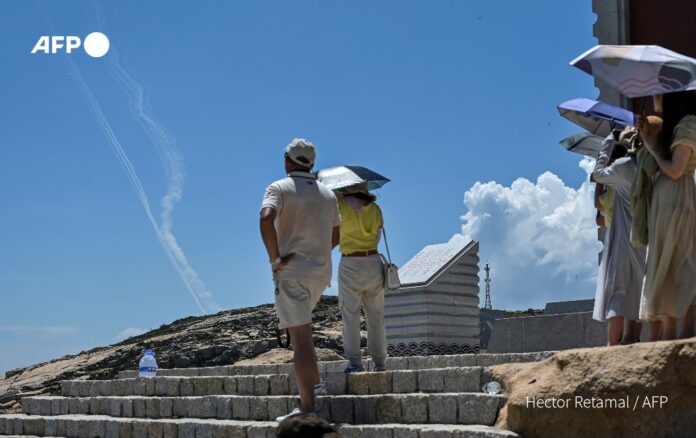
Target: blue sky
(454, 101)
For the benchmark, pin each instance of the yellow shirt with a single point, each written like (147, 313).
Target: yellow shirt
(359, 229)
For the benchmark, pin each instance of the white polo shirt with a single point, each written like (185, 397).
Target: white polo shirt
(306, 213)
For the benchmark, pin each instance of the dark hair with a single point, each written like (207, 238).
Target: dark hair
(618, 151)
(674, 107)
(306, 426)
(365, 197)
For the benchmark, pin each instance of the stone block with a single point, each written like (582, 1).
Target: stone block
(83, 428)
(111, 429)
(261, 385)
(66, 388)
(336, 383)
(207, 386)
(396, 363)
(50, 426)
(342, 409)
(166, 407)
(214, 371)
(120, 388)
(242, 370)
(180, 407)
(266, 369)
(72, 428)
(33, 426)
(228, 431)
(209, 407)
(379, 431)
(278, 385)
(28, 405)
(240, 408)
(258, 408)
(365, 410)
(17, 427)
(127, 408)
(478, 408)
(186, 388)
(57, 405)
(229, 386)
(431, 381)
(245, 385)
(442, 408)
(106, 388)
(150, 387)
(125, 429)
(358, 384)
(258, 431)
(322, 406)
(140, 429)
(223, 408)
(155, 430)
(94, 388)
(170, 430)
(388, 408)
(114, 407)
(351, 431)
(138, 386)
(204, 430)
(335, 367)
(462, 379)
(414, 409)
(187, 430)
(379, 383)
(152, 407)
(96, 428)
(404, 381)
(139, 407)
(161, 384)
(278, 406)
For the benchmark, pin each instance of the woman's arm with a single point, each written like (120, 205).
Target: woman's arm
(675, 167)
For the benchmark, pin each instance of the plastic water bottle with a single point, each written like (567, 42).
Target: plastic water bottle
(148, 364)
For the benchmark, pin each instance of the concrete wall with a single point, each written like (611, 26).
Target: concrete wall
(546, 333)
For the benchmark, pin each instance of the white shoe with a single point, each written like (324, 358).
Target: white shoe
(296, 411)
(320, 389)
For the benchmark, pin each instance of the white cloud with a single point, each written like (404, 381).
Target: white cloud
(129, 333)
(43, 330)
(539, 238)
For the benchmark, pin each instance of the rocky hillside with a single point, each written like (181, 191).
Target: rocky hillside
(221, 339)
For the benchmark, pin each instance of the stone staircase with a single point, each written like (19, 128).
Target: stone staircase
(418, 397)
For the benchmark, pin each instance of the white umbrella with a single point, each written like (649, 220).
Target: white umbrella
(637, 71)
(344, 177)
(583, 143)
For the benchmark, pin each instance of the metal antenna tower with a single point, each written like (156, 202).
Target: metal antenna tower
(488, 305)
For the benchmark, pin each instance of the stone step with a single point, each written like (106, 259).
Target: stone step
(393, 363)
(461, 379)
(93, 426)
(441, 408)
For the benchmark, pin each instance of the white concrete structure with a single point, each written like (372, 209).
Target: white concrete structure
(436, 310)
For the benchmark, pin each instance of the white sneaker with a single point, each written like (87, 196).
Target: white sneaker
(320, 389)
(294, 412)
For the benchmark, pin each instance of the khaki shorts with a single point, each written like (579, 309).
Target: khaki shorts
(295, 301)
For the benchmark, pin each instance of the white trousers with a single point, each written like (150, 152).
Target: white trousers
(361, 284)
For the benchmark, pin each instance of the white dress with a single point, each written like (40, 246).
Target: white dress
(670, 274)
(621, 269)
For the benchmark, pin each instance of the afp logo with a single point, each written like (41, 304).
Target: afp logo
(96, 44)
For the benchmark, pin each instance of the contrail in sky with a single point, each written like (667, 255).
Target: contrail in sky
(171, 159)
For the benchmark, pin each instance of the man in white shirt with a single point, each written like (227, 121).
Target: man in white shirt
(299, 227)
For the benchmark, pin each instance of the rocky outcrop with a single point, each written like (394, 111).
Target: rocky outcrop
(646, 389)
(221, 339)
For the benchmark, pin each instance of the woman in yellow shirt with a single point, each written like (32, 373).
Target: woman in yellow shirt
(360, 279)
